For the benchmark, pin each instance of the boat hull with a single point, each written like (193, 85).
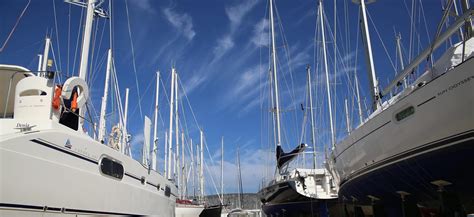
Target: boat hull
(283, 199)
(188, 210)
(211, 211)
(58, 171)
(434, 142)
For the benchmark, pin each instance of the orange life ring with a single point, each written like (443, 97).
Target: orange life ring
(74, 102)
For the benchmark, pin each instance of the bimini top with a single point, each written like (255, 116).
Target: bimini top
(10, 75)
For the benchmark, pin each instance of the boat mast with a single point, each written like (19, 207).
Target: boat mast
(124, 130)
(275, 80)
(313, 136)
(183, 169)
(178, 166)
(222, 170)
(359, 106)
(192, 172)
(328, 90)
(348, 121)
(44, 63)
(369, 57)
(103, 107)
(40, 63)
(166, 154)
(155, 124)
(170, 137)
(146, 142)
(86, 39)
(201, 164)
(400, 56)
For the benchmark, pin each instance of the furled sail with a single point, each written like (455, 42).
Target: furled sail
(284, 158)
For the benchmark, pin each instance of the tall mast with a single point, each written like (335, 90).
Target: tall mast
(103, 107)
(359, 106)
(146, 142)
(178, 165)
(166, 154)
(348, 122)
(183, 168)
(222, 170)
(275, 80)
(400, 56)
(370, 60)
(328, 90)
(155, 126)
(124, 130)
(45, 55)
(170, 137)
(86, 39)
(40, 63)
(201, 164)
(192, 172)
(313, 136)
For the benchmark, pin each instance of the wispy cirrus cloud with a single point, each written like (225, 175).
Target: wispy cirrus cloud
(144, 5)
(260, 33)
(223, 45)
(235, 14)
(183, 23)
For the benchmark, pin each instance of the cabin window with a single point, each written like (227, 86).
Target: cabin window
(167, 191)
(405, 113)
(33, 92)
(111, 168)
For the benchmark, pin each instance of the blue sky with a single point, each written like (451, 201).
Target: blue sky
(220, 50)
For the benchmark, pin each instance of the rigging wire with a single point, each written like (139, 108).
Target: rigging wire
(57, 36)
(68, 39)
(381, 41)
(133, 60)
(14, 26)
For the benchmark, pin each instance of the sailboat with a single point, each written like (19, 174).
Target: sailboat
(301, 191)
(415, 150)
(50, 166)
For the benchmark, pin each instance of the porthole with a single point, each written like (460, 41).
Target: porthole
(112, 168)
(405, 113)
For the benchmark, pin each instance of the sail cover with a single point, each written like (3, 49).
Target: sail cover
(284, 158)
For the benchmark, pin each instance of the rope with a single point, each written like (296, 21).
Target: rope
(133, 59)
(14, 27)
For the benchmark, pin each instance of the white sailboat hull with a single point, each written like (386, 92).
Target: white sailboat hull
(430, 144)
(55, 170)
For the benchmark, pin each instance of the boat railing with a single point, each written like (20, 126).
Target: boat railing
(439, 40)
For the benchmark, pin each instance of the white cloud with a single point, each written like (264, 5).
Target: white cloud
(183, 23)
(144, 5)
(260, 33)
(223, 45)
(237, 12)
(252, 165)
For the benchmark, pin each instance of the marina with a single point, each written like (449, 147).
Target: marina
(252, 108)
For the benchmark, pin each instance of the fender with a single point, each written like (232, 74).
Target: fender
(83, 92)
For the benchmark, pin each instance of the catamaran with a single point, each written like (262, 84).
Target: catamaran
(48, 165)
